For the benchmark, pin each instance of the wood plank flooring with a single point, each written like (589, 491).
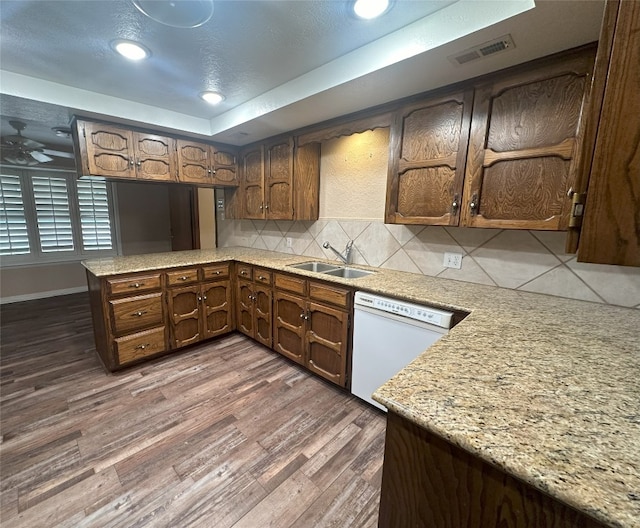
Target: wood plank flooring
(225, 434)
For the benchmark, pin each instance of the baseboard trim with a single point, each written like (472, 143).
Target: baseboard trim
(42, 295)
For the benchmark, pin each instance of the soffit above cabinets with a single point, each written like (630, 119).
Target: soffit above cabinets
(281, 64)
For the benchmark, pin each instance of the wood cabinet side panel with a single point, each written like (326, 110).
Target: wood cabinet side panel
(100, 320)
(306, 182)
(611, 229)
(427, 481)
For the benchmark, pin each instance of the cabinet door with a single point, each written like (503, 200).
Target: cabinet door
(262, 311)
(520, 164)
(244, 308)
(428, 149)
(289, 326)
(327, 343)
(194, 163)
(252, 183)
(155, 157)
(278, 187)
(109, 151)
(217, 313)
(225, 168)
(184, 315)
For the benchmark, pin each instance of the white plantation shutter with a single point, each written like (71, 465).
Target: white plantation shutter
(53, 214)
(95, 223)
(14, 237)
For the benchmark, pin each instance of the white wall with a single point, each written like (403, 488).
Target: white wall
(352, 195)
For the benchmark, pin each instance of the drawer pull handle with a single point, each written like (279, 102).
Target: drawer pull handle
(136, 285)
(262, 277)
(243, 272)
(218, 272)
(142, 347)
(204, 297)
(138, 314)
(184, 278)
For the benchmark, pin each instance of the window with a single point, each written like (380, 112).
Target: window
(48, 216)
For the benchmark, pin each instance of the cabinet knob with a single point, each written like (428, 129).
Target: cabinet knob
(138, 314)
(455, 205)
(213, 171)
(139, 164)
(266, 206)
(261, 277)
(261, 207)
(204, 297)
(243, 272)
(131, 162)
(218, 272)
(183, 278)
(209, 171)
(136, 285)
(473, 205)
(199, 298)
(142, 347)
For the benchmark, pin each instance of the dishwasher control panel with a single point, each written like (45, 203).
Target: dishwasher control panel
(412, 311)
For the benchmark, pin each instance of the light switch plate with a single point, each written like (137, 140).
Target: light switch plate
(453, 260)
(289, 242)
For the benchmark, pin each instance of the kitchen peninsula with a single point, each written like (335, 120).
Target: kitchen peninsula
(542, 388)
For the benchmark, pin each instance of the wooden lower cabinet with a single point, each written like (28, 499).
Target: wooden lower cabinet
(200, 311)
(289, 326)
(427, 481)
(311, 333)
(141, 315)
(327, 338)
(253, 303)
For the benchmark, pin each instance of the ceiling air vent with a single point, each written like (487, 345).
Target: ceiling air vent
(483, 50)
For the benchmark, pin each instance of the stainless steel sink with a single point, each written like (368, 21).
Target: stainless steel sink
(318, 267)
(348, 273)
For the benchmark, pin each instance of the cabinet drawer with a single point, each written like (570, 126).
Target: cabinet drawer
(262, 276)
(244, 271)
(186, 276)
(135, 313)
(292, 284)
(219, 271)
(118, 285)
(330, 294)
(140, 345)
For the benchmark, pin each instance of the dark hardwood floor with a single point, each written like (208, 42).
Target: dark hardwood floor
(225, 434)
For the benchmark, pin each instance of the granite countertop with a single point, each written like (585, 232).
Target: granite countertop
(548, 389)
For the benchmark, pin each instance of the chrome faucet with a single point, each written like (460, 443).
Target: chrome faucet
(344, 257)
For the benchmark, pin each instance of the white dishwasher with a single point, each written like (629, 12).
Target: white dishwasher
(387, 335)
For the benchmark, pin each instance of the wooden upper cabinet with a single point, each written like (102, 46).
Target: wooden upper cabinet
(116, 152)
(193, 163)
(522, 147)
(109, 150)
(268, 188)
(204, 164)
(225, 166)
(428, 147)
(611, 229)
(278, 180)
(155, 157)
(252, 187)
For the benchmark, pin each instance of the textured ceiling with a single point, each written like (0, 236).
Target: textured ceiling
(282, 64)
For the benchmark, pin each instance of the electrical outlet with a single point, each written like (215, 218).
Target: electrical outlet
(453, 260)
(289, 242)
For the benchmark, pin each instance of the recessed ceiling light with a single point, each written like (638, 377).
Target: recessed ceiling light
(177, 13)
(131, 50)
(212, 97)
(369, 9)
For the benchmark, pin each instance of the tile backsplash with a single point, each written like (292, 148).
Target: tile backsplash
(532, 261)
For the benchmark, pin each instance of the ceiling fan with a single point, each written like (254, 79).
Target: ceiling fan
(20, 150)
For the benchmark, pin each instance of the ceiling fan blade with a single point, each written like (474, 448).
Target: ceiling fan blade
(40, 157)
(58, 153)
(21, 141)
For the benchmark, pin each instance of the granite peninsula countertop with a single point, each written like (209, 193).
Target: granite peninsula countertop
(548, 389)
